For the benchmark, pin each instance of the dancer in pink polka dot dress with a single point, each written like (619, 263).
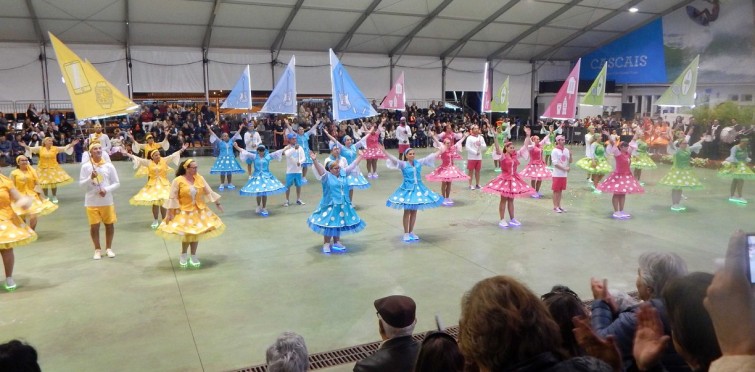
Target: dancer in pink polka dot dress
(621, 182)
(536, 171)
(373, 150)
(447, 171)
(508, 184)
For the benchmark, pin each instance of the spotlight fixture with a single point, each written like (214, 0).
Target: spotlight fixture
(633, 10)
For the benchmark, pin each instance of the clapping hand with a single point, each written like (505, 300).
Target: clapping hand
(649, 340)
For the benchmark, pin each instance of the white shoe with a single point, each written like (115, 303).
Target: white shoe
(155, 224)
(326, 248)
(110, 253)
(503, 224)
(183, 260)
(338, 247)
(97, 254)
(10, 284)
(286, 204)
(514, 222)
(258, 210)
(194, 261)
(407, 238)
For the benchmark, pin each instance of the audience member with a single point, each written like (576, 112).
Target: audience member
(504, 326)
(655, 270)
(16, 356)
(287, 354)
(691, 327)
(731, 306)
(563, 305)
(396, 320)
(439, 353)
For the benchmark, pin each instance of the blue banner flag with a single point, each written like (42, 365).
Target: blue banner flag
(634, 58)
(283, 98)
(348, 101)
(241, 95)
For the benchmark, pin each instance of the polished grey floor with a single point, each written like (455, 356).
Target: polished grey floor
(140, 311)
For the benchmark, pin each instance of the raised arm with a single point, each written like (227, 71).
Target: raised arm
(318, 167)
(209, 129)
(354, 164)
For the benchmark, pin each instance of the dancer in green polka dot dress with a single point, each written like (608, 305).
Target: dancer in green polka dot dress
(736, 169)
(640, 157)
(681, 177)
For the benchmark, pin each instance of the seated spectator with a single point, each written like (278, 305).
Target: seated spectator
(655, 270)
(731, 306)
(16, 356)
(691, 327)
(439, 353)
(6, 150)
(505, 327)
(563, 305)
(398, 352)
(287, 354)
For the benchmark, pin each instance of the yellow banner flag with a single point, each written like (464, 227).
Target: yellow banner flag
(92, 96)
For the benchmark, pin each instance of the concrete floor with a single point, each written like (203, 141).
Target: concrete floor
(140, 311)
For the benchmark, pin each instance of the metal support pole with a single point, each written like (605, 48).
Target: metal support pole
(45, 77)
(206, 73)
(443, 69)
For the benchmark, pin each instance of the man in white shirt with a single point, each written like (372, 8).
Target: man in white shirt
(103, 138)
(100, 179)
(475, 145)
(403, 133)
(252, 140)
(561, 158)
(294, 158)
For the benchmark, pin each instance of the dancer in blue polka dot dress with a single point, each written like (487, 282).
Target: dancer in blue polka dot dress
(226, 163)
(412, 195)
(263, 183)
(335, 215)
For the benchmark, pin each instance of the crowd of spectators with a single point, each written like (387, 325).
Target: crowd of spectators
(684, 322)
(185, 122)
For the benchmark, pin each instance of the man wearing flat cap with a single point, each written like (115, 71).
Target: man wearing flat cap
(398, 352)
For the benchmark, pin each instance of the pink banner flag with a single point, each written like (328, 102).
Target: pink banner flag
(564, 104)
(487, 90)
(396, 99)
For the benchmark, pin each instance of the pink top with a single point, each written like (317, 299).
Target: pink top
(373, 140)
(536, 154)
(622, 163)
(509, 164)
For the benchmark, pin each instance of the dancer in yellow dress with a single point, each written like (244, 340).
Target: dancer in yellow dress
(25, 180)
(13, 231)
(49, 173)
(189, 218)
(150, 145)
(157, 189)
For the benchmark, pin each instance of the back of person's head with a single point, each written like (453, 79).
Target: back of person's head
(503, 323)
(287, 354)
(658, 268)
(439, 353)
(691, 327)
(16, 356)
(563, 305)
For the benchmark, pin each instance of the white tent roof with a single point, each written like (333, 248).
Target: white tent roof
(507, 29)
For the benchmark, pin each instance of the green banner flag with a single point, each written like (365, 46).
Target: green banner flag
(682, 91)
(500, 102)
(597, 91)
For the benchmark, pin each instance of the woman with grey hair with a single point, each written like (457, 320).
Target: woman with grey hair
(287, 354)
(654, 271)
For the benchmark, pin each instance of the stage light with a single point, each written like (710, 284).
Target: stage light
(633, 10)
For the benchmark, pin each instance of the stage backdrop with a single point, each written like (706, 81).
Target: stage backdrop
(722, 32)
(635, 58)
